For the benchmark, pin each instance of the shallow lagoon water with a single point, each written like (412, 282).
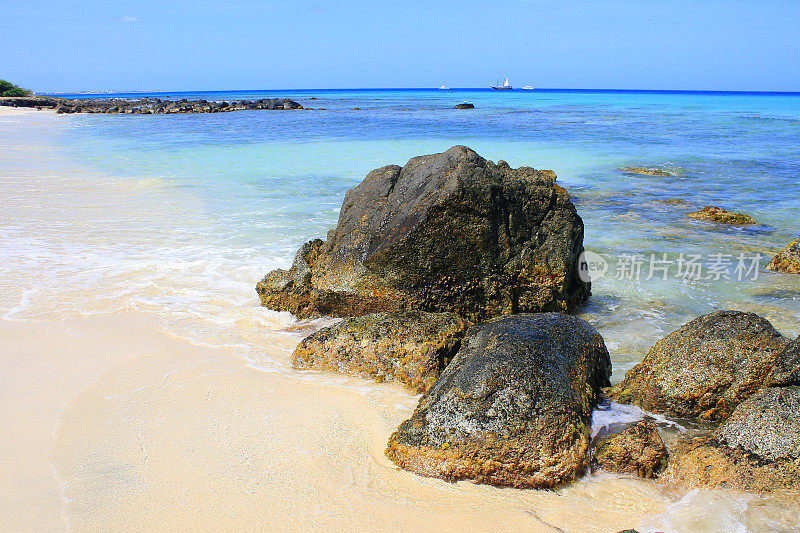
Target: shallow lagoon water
(177, 217)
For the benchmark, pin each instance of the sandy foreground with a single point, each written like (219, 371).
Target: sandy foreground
(112, 423)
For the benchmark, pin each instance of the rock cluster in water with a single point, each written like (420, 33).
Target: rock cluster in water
(788, 260)
(146, 106)
(733, 368)
(450, 240)
(448, 232)
(420, 252)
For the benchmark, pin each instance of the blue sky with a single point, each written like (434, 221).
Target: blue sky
(123, 45)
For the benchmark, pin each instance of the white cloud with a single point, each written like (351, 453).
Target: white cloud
(128, 18)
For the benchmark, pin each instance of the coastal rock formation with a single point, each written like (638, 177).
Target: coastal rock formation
(513, 408)
(788, 260)
(638, 451)
(721, 216)
(465, 105)
(412, 347)
(646, 171)
(704, 369)
(757, 449)
(448, 232)
(145, 106)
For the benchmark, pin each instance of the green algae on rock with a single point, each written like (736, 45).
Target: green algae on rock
(448, 232)
(721, 216)
(787, 260)
(638, 451)
(514, 406)
(411, 347)
(705, 368)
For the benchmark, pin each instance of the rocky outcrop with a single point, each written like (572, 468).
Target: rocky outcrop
(448, 232)
(145, 106)
(721, 216)
(411, 347)
(757, 449)
(646, 171)
(637, 451)
(465, 105)
(788, 260)
(704, 369)
(513, 408)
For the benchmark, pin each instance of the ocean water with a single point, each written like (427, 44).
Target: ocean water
(196, 208)
(268, 181)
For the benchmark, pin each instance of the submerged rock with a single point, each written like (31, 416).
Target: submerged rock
(447, 232)
(673, 201)
(465, 105)
(638, 451)
(513, 408)
(788, 260)
(721, 216)
(411, 347)
(646, 171)
(704, 369)
(757, 449)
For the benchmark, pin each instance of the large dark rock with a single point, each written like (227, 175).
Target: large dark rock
(512, 408)
(788, 260)
(638, 450)
(704, 369)
(447, 232)
(757, 449)
(412, 347)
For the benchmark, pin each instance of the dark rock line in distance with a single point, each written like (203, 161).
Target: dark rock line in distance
(145, 106)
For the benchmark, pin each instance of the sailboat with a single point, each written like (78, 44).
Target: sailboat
(506, 86)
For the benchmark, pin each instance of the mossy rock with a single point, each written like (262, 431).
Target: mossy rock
(721, 216)
(706, 368)
(788, 260)
(411, 347)
(645, 171)
(638, 451)
(514, 406)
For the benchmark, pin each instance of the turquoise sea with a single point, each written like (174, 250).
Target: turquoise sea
(272, 180)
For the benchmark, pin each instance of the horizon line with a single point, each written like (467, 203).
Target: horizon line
(487, 88)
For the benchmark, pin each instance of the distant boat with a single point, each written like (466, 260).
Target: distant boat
(443, 87)
(528, 87)
(505, 87)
